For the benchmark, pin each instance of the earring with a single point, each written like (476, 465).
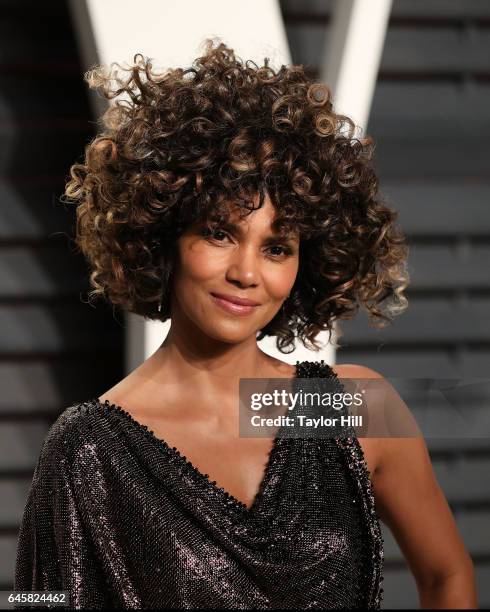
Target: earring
(159, 309)
(164, 289)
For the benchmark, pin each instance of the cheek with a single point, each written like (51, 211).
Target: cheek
(197, 263)
(279, 280)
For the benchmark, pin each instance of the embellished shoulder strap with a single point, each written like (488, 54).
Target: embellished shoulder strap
(354, 455)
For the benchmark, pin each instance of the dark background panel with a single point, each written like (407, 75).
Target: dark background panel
(55, 348)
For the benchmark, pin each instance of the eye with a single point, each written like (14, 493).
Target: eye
(216, 234)
(213, 233)
(286, 250)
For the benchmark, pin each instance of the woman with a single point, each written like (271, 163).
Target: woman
(233, 200)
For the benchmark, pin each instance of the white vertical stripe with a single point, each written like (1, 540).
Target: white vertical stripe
(352, 57)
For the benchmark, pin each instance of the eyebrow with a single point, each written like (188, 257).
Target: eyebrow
(233, 227)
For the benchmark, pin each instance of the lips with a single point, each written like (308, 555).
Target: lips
(232, 307)
(235, 300)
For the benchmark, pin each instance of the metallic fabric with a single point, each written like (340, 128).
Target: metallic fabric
(120, 519)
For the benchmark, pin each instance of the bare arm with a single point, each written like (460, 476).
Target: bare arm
(412, 505)
(410, 502)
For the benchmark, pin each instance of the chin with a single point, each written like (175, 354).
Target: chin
(230, 336)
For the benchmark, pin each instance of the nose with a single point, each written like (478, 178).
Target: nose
(243, 268)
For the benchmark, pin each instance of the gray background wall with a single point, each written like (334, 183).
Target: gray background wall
(430, 119)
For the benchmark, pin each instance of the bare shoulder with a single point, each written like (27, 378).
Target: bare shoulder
(134, 392)
(394, 430)
(278, 368)
(375, 443)
(352, 370)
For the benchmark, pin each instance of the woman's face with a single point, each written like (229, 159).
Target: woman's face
(243, 258)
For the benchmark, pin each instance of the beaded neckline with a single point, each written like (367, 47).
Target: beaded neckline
(306, 369)
(351, 450)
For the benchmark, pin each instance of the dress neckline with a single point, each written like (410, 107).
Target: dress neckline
(203, 478)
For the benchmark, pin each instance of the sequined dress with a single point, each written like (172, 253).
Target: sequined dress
(119, 519)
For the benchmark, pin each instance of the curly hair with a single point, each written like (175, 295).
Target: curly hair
(177, 147)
